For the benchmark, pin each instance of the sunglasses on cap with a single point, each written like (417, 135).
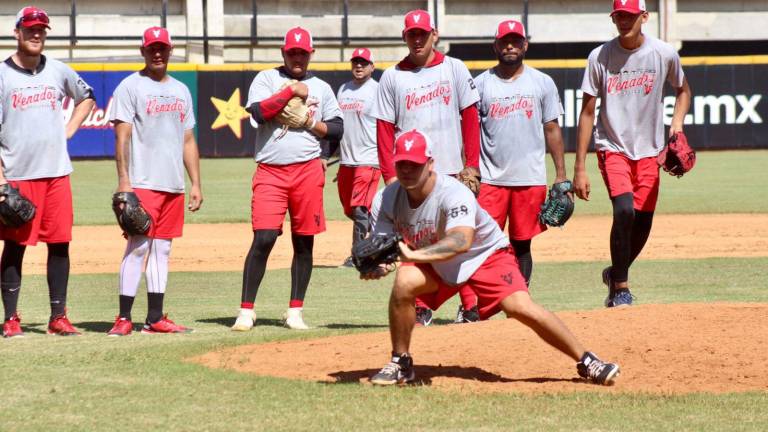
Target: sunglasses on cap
(35, 16)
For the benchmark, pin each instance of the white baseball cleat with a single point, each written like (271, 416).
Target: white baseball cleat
(294, 319)
(245, 320)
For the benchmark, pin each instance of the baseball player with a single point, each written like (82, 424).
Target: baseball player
(519, 111)
(290, 175)
(435, 93)
(450, 241)
(34, 160)
(154, 124)
(628, 75)
(359, 174)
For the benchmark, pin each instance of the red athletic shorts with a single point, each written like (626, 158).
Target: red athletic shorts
(521, 204)
(622, 175)
(495, 280)
(357, 186)
(166, 210)
(53, 218)
(297, 188)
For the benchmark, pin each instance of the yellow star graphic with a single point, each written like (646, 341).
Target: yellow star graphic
(230, 113)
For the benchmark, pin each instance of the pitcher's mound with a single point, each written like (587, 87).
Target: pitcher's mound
(670, 349)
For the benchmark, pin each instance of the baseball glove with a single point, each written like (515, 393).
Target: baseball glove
(470, 177)
(296, 113)
(678, 157)
(558, 207)
(369, 253)
(15, 209)
(132, 217)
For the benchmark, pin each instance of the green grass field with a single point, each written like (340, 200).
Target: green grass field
(141, 382)
(722, 182)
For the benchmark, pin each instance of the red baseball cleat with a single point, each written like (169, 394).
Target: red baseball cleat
(12, 327)
(122, 327)
(61, 326)
(164, 326)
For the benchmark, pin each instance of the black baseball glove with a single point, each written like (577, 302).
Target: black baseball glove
(15, 209)
(369, 253)
(558, 207)
(132, 217)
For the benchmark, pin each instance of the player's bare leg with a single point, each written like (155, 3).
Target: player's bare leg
(547, 325)
(553, 331)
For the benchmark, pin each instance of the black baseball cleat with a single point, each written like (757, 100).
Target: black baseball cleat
(467, 315)
(593, 369)
(423, 316)
(398, 371)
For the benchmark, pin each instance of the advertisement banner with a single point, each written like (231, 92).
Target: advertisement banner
(727, 111)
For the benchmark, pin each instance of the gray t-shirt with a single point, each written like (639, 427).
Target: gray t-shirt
(630, 85)
(295, 145)
(429, 99)
(358, 145)
(160, 113)
(449, 205)
(512, 114)
(33, 140)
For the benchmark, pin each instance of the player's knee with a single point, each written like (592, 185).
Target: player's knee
(623, 207)
(518, 305)
(409, 282)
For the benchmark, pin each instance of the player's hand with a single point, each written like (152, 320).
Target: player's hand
(300, 89)
(581, 184)
(406, 253)
(673, 129)
(380, 272)
(195, 199)
(325, 165)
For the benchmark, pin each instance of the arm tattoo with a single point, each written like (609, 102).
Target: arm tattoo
(451, 244)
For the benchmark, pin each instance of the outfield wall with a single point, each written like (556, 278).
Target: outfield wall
(728, 110)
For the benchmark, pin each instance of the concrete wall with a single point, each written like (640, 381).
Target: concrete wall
(549, 21)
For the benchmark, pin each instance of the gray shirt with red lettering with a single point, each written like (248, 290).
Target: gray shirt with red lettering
(449, 205)
(278, 147)
(630, 85)
(160, 113)
(33, 141)
(429, 99)
(512, 115)
(358, 145)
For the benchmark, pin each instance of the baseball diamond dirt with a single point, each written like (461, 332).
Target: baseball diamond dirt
(98, 249)
(663, 349)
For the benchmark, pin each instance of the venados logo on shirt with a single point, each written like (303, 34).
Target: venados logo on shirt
(504, 107)
(631, 82)
(38, 96)
(437, 92)
(418, 235)
(161, 105)
(352, 105)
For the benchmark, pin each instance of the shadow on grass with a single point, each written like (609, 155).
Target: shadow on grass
(425, 374)
(354, 326)
(230, 320)
(36, 328)
(100, 326)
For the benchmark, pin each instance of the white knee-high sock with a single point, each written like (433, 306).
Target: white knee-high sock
(157, 265)
(132, 265)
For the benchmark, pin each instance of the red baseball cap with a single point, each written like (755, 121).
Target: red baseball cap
(632, 6)
(510, 27)
(298, 37)
(31, 16)
(156, 35)
(363, 53)
(419, 19)
(413, 146)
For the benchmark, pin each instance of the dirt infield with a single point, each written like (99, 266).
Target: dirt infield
(662, 349)
(222, 247)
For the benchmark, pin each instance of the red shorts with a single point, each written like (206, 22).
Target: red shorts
(623, 175)
(521, 204)
(357, 186)
(297, 188)
(166, 210)
(54, 216)
(495, 280)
